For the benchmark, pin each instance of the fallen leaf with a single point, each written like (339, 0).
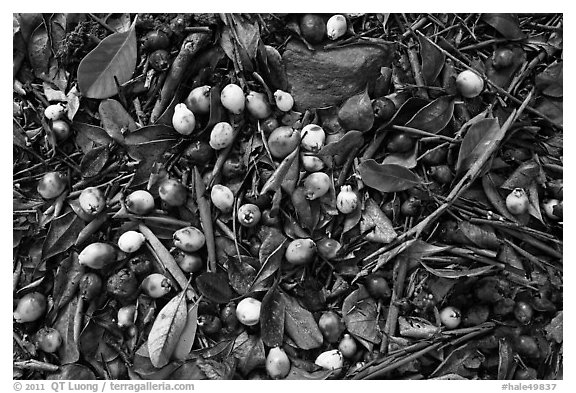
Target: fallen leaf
(387, 177)
(375, 225)
(300, 325)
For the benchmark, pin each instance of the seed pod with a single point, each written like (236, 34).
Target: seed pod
(30, 307)
(92, 200)
(97, 255)
(248, 311)
(189, 239)
(330, 360)
(347, 200)
(131, 241)
(52, 185)
(336, 27)
(198, 101)
(140, 202)
(284, 100)
(221, 136)
(183, 120)
(232, 98)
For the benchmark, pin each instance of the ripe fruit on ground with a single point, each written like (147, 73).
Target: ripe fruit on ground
(222, 197)
(221, 136)
(127, 316)
(300, 251)
(140, 265)
(316, 185)
(257, 105)
(527, 345)
(61, 129)
(249, 215)
(173, 192)
(411, 206)
(313, 28)
(476, 315)
(232, 98)
(384, 108)
(52, 185)
(399, 142)
(156, 285)
(330, 360)
(233, 167)
(284, 100)
(442, 174)
(517, 201)
(277, 363)
(131, 241)
(548, 207)
(450, 317)
(269, 125)
(122, 284)
(348, 346)
(189, 239)
(188, 262)
(92, 200)
(435, 156)
(282, 141)
(469, 84)
(209, 324)
(198, 101)
(502, 58)
(199, 153)
(523, 312)
(328, 248)
(313, 138)
(347, 200)
(248, 311)
(183, 120)
(331, 326)
(336, 27)
(30, 307)
(97, 255)
(55, 111)
(154, 40)
(311, 162)
(48, 339)
(140, 202)
(378, 287)
(503, 307)
(90, 286)
(159, 60)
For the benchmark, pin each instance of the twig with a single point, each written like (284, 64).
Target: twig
(102, 23)
(205, 219)
(36, 365)
(401, 268)
(416, 70)
(416, 131)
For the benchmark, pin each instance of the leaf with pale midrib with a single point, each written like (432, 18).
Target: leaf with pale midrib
(166, 331)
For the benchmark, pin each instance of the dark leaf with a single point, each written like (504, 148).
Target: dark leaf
(272, 317)
(552, 108)
(241, 273)
(351, 140)
(434, 116)
(217, 111)
(72, 372)
(94, 161)
(270, 255)
(505, 24)
(376, 225)
(457, 272)
(18, 135)
(503, 76)
(300, 325)
(278, 177)
(303, 208)
(249, 350)
(550, 81)
(534, 206)
(554, 330)
(215, 287)
(68, 350)
(115, 119)
(186, 340)
(149, 154)
(27, 23)
(407, 160)
(62, 234)
(407, 109)
(247, 32)
(94, 343)
(114, 59)
(483, 236)
(292, 177)
(357, 113)
(144, 368)
(388, 177)
(523, 176)
(92, 133)
(432, 60)
(277, 70)
(297, 373)
(188, 371)
(67, 279)
(39, 51)
(57, 28)
(151, 134)
(505, 359)
(218, 370)
(479, 136)
(461, 361)
(359, 312)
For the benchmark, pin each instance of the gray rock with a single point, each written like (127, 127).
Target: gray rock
(329, 76)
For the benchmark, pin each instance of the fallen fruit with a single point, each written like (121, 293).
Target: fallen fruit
(159, 60)
(131, 241)
(97, 255)
(30, 307)
(154, 40)
(331, 326)
(442, 174)
(383, 108)
(233, 167)
(189, 239)
(198, 101)
(209, 324)
(221, 136)
(127, 316)
(140, 202)
(222, 197)
(141, 266)
(450, 317)
(311, 162)
(55, 111)
(313, 28)
(122, 284)
(527, 345)
(317, 184)
(188, 262)
(548, 207)
(232, 98)
(347, 200)
(284, 101)
(156, 285)
(249, 215)
(300, 251)
(173, 192)
(469, 84)
(48, 339)
(330, 360)
(257, 105)
(282, 141)
(61, 130)
(523, 312)
(269, 125)
(348, 346)
(378, 287)
(313, 138)
(248, 311)
(517, 201)
(411, 206)
(183, 120)
(198, 153)
(502, 58)
(328, 248)
(92, 200)
(90, 286)
(399, 142)
(336, 27)
(277, 363)
(52, 184)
